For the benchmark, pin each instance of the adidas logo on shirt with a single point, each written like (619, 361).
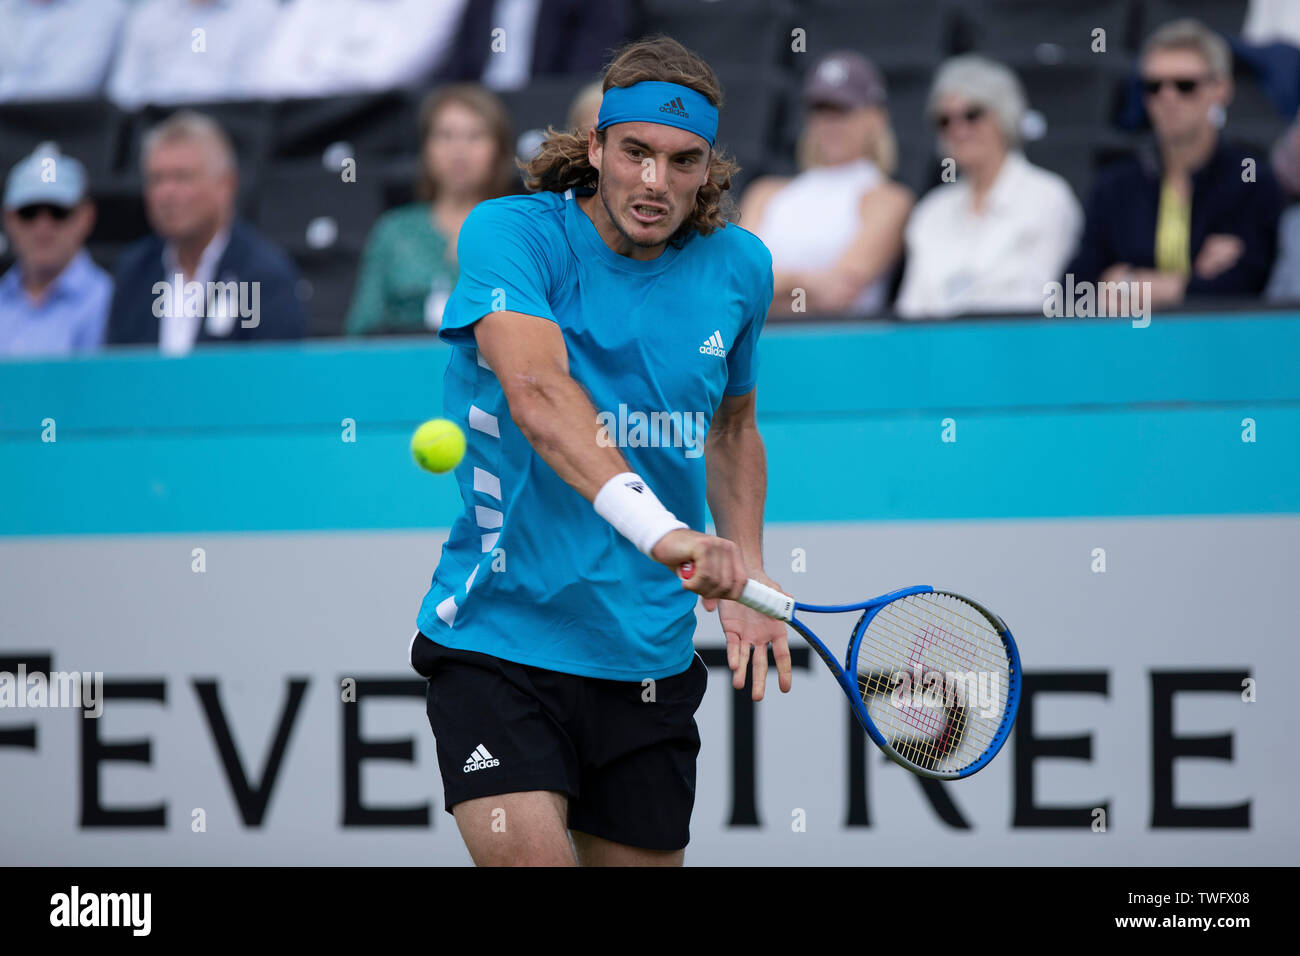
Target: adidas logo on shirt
(713, 345)
(480, 759)
(676, 107)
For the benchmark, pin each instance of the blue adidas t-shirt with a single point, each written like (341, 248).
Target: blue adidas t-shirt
(530, 572)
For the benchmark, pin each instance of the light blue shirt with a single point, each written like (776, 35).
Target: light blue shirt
(56, 49)
(530, 572)
(71, 316)
(186, 51)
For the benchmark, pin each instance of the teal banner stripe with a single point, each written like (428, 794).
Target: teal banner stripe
(1025, 362)
(1002, 465)
(832, 370)
(226, 387)
(1051, 419)
(1031, 465)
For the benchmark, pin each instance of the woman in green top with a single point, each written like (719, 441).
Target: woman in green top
(408, 267)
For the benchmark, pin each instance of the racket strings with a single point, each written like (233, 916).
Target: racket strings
(937, 729)
(942, 725)
(989, 651)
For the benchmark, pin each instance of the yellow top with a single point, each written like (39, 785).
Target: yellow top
(1173, 231)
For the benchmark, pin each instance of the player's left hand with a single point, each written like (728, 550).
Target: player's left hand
(747, 630)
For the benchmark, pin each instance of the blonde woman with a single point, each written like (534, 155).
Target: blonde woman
(836, 229)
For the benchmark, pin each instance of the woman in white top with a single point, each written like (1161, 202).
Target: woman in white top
(990, 240)
(835, 230)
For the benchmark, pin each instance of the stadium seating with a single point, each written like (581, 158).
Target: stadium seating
(891, 33)
(1225, 16)
(1087, 105)
(322, 221)
(84, 129)
(544, 102)
(365, 126)
(723, 29)
(1020, 29)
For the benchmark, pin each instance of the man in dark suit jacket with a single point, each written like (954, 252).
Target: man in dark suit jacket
(204, 276)
(572, 37)
(1195, 216)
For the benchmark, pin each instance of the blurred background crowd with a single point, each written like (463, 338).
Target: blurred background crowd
(902, 159)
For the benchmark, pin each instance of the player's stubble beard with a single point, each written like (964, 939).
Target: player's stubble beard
(618, 223)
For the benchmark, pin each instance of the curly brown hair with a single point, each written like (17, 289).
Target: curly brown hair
(562, 163)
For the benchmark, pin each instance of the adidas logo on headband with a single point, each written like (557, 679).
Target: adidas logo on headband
(669, 104)
(675, 107)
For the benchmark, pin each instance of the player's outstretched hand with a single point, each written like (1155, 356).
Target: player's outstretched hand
(747, 630)
(718, 571)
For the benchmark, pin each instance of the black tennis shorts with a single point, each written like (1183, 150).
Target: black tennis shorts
(626, 762)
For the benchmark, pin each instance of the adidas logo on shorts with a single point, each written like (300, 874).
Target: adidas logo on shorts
(713, 345)
(480, 759)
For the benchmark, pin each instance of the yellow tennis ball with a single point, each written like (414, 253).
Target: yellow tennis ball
(438, 445)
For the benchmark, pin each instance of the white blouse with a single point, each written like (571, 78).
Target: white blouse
(811, 221)
(959, 260)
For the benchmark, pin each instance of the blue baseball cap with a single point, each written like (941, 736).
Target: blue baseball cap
(46, 176)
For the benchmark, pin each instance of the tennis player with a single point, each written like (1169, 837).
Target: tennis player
(603, 324)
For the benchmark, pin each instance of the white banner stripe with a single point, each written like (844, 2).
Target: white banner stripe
(487, 483)
(481, 421)
(487, 517)
(489, 541)
(447, 611)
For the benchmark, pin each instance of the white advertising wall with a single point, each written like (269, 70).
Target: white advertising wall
(1137, 742)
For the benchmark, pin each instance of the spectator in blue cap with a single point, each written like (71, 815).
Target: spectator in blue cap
(54, 299)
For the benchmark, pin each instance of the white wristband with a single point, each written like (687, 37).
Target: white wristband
(627, 502)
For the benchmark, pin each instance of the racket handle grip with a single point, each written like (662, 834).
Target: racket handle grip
(767, 600)
(756, 595)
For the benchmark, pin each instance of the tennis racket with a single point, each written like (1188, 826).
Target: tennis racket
(933, 677)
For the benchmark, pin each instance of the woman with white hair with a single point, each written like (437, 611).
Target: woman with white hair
(999, 228)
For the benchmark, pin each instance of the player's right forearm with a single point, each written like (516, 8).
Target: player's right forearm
(558, 419)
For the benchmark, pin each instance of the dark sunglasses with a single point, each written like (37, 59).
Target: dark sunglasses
(828, 109)
(972, 115)
(57, 213)
(1186, 85)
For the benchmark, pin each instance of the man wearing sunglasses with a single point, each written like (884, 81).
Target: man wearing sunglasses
(1193, 217)
(54, 299)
